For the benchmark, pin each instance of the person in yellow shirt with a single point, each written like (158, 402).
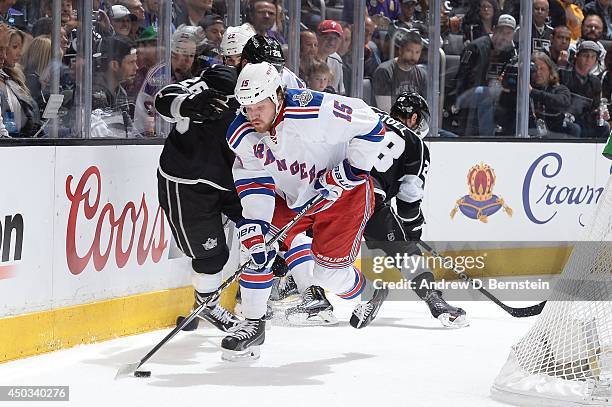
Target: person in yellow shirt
(574, 17)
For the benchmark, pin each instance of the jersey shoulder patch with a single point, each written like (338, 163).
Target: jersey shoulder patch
(236, 132)
(302, 104)
(303, 98)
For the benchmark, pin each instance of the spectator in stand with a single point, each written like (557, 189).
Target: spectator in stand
(574, 17)
(19, 111)
(68, 16)
(603, 9)
(594, 29)
(262, 16)
(183, 52)
(408, 14)
(110, 104)
(329, 36)
(193, 11)
(345, 50)
(117, 68)
(135, 7)
(401, 74)
(388, 8)
(478, 80)
(560, 46)
(586, 92)
(370, 28)
(213, 27)
(35, 62)
(319, 77)
(151, 13)
(549, 101)
(557, 11)
(147, 57)
(15, 48)
(480, 19)
(121, 20)
(209, 49)
(541, 33)
(308, 51)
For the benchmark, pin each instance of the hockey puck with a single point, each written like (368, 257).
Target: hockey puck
(142, 373)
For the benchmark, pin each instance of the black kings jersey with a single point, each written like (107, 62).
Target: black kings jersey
(401, 168)
(195, 151)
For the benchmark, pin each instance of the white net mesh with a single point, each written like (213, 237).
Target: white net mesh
(566, 357)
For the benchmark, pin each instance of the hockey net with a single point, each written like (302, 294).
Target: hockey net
(565, 359)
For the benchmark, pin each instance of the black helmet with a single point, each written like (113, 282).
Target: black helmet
(263, 49)
(409, 103)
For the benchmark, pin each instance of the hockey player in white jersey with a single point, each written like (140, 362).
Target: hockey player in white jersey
(292, 146)
(233, 42)
(400, 174)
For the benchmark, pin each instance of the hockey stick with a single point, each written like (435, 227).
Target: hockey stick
(515, 312)
(132, 368)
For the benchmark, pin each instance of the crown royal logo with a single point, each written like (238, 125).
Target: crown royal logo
(481, 201)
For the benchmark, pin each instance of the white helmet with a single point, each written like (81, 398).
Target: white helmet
(234, 39)
(258, 82)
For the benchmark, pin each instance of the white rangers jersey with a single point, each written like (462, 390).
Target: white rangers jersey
(291, 80)
(313, 132)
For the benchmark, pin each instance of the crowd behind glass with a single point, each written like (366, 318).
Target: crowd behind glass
(569, 90)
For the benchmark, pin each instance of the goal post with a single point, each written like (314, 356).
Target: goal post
(565, 359)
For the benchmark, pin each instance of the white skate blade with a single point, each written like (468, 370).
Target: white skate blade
(460, 322)
(323, 318)
(288, 302)
(247, 355)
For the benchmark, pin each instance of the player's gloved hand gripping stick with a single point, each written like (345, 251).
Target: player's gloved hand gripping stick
(131, 368)
(343, 177)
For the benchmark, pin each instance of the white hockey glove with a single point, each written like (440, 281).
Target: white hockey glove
(341, 178)
(252, 241)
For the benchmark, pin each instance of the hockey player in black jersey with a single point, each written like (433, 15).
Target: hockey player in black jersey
(400, 173)
(195, 183)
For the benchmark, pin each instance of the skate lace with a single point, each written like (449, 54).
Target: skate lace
(365, 310)
(308, 295)
(245, 330)
(221, 314)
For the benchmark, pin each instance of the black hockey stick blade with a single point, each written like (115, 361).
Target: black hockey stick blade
(515, 312)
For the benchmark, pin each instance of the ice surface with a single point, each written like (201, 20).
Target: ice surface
(405, 358)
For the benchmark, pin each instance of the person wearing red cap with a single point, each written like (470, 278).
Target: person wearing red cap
(329, 35)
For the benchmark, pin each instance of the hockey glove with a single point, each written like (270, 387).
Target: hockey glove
(251, 236)
(208, 104)
(342, 177)
(412, 219)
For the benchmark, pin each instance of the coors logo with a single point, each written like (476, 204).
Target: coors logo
(86, 210)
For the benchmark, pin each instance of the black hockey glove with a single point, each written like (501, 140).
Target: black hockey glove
(208, 104)
(412, 219)
(414, 228)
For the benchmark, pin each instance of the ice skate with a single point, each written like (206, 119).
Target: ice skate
(365, 313)
(218, 316)
(449, 316)
(284, 291)
(315, 309)
(243, 343)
